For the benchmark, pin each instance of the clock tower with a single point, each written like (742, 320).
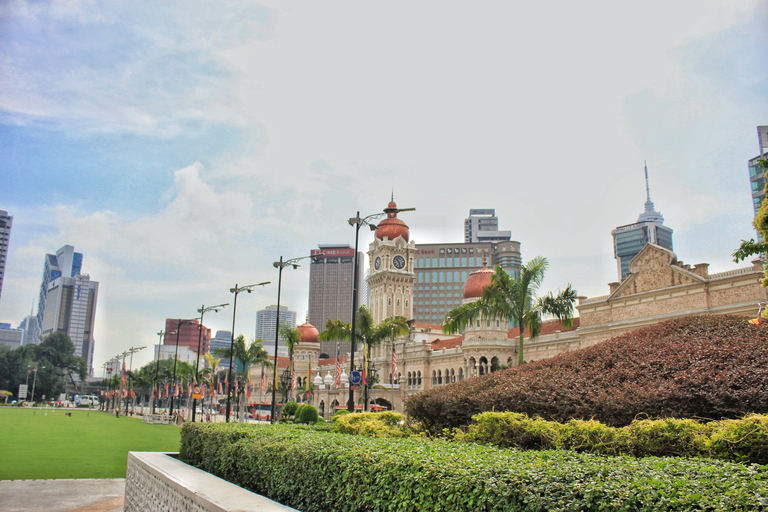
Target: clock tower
(391, 260)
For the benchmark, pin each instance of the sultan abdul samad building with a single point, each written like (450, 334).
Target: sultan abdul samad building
(657, 288)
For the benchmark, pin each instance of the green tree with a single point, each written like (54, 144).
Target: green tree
(291, 337)
(510, 298)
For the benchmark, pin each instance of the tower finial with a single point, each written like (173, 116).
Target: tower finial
(647, 188)
(392, 197)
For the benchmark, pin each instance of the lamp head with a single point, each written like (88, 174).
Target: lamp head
(295, 266)
(249, 290)
(373, 227)
(232, 290)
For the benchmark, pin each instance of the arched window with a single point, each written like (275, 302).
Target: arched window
(497, 323)
(418, 378)
(409, 379)
(389, 301)
(406, 302)
(478, 323)
(488, 323)
(439, 377)
(398, 302)
(434, 378)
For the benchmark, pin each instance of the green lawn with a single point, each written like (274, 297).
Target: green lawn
(86, 445)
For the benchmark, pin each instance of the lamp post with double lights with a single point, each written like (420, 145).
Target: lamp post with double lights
(34, 381)
(155, 390)
(131, 351)
(357, 221)
(280, 265)
(179, 323)
(230, 387)
(203, 310)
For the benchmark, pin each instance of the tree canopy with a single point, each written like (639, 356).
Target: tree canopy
(515, 298)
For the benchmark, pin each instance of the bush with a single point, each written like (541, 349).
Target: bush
(743, 440)
(289, 409)
(306, 414)
(416, 474)
(692, 367)
(375, 424)
(338, 414)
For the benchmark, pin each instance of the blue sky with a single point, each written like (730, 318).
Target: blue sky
(183, 147)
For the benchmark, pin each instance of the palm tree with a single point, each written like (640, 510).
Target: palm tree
(511, 298)
(213, 365)
(368, 332)
(247, 355)
(291, 337)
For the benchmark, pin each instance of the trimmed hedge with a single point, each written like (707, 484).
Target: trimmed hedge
(710, 367)
(376, 424)
(315, 471)
(744, 440)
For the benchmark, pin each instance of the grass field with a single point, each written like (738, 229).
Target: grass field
(89, 444)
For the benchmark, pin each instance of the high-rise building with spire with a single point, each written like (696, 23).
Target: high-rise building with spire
(6, 221)
(629, 240)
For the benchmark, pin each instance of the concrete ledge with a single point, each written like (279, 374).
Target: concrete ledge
(157, 481)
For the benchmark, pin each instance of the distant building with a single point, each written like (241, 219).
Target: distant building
(629, 240)
(331, 274)
(70, 307)
(223, 339)
(757, 185)
(11, 338)
(483, 226)
(6, 221)
(266, 326)
(28, 326)
(185, 354)
(188, 334)
(66, 262)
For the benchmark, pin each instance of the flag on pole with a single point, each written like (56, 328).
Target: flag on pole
(308, 384)
(338, 371)
(394, 363)
(124, 378)
(220, 391)
(248, 389)
(166, 390)
(365, 368)
(293, 380)
(263, 382)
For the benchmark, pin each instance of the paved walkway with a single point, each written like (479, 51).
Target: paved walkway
(86, 495)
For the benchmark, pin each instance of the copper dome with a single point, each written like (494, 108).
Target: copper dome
(309, 333)
(392, 227)
(478, 280)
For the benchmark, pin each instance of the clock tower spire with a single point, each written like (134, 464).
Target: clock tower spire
(391, 259)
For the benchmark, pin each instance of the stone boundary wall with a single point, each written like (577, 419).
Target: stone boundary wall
(159, 482)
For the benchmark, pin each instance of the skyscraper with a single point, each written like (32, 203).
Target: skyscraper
(70, 307)
(483, 226)
(630, 239)
(67, 263)
(188, 335)
(331, 273)
(757, 184)
(266, 326)
(223, 339)
(6, 221)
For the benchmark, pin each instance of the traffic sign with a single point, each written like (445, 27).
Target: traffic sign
(22, 391)
(355, 377)
(197, 392)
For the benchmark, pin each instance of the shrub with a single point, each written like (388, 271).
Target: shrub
(742, 440)
(374, 424)
(306, 414)
(338, 414)
(416, 474)
(289, 409)
(692, 367)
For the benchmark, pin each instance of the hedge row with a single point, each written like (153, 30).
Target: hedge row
(744, 440)
(695, 367)
(315, 471)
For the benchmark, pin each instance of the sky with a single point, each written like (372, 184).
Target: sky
(183, 147)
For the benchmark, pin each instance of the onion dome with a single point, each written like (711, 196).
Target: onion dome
(392, 227)
(477, 280)
(308, 333)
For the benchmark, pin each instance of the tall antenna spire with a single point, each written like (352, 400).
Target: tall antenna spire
(392, 197)
(647, 188)
(650, 213)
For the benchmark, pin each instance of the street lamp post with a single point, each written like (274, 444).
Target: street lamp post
(235, 290)
(203, 310)
(179, 323)
(279, 265)
(34, 380)
(155, 391)
(131, 351)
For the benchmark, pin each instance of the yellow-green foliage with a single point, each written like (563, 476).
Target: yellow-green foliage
(744, 440)
(374, 424)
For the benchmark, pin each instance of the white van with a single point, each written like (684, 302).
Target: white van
(81, 400)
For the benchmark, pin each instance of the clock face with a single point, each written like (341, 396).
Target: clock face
(377, 263)
(399, 262)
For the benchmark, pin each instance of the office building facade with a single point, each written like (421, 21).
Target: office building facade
(442, 269)
(65, 263)
(757, 186)
(266, 328)
(11, 338)
(6, 221)
(483, 226)
(630, 239)
(223, 339)
(70, 307)
(331, 276)
(188, 333)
